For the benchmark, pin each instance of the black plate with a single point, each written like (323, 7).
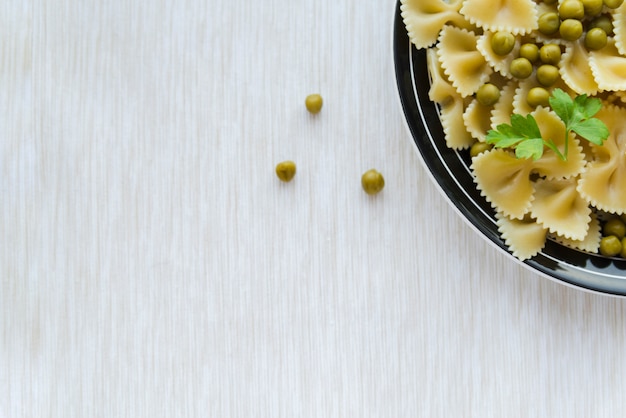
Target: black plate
(450, 171)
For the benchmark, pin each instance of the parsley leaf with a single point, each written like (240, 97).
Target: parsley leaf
(593, 130)
(562, 104)
(531, 148)
(577, 114)
(524, 134)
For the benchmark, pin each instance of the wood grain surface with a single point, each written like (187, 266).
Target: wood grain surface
(152, 265)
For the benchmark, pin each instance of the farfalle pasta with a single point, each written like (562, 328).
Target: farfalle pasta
(477, 119)
(424, 19)
(576, 70)
(515, 16)
(524, 237)
(603, 184)
(560, 208)
(619, 30)
(609, 68)
(461, 61)
(451, 103)
(510, 190)
(591, 241)
(557, 196)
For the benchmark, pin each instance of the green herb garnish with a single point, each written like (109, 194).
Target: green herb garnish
(577, 114)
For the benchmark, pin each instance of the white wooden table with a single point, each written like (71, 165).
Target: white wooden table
(152, 265)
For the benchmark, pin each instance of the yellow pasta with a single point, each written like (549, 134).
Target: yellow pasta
(451, 104)
(424, 19)
(510, 191)
(576, 70)
(608, 67)
(524, 237)
(619, 29)
(477, 119)
(591, 242)
(464, 65)
(603, 183)
(515, 16)
(559, 208)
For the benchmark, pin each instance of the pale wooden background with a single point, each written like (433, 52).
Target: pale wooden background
(153, 266)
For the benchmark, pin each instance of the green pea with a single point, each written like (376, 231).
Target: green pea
(595, 39)
(572, 9)
(550, 1)
(529, 51)
(610, 246)
(613, 4)
(478, 148)
(603, 22)
(538, 96)
(286, 170)
(548, 23)
(615, 226)
(502, 43)
(623, 252)
(521, 68)
(547, 74)
(571, 29)
(550, 54)
(372, 182)
(592, 7)
(313, 103)
(488, 94)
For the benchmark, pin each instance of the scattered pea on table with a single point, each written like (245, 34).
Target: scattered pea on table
(286, 170)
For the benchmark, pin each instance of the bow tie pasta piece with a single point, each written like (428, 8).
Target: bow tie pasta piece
(619, 29)
(608, 67)
(441, 91)
(590, 243)
(576, 71)
(451, 104)
(457, 137)
(504, 181)
(464, 65)
(477, 119)
(559, 208)
(425, 18)
(524, 237)
(550, 165)
(603, 183)
(515, 16)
